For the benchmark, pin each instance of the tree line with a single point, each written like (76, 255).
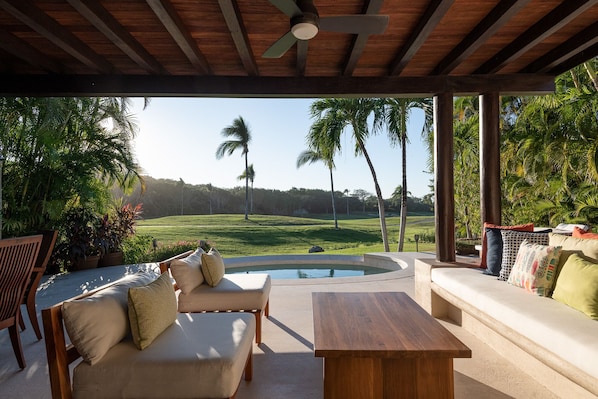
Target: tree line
(168, 197)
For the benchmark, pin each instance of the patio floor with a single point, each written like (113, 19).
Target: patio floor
(284, 364)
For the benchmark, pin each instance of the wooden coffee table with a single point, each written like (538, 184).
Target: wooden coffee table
(382, 345)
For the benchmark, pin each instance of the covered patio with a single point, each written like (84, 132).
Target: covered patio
(186, 48)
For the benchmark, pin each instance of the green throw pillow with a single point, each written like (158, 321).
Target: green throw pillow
(577, 285)
(212, 267)
(152, 309)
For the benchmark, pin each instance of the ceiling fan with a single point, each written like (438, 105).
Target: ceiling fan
(305, 24)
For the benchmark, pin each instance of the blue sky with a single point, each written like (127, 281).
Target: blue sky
(178, 138)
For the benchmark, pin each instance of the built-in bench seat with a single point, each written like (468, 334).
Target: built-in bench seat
(555, 344)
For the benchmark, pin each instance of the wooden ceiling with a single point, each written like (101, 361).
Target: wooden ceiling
(215, 47)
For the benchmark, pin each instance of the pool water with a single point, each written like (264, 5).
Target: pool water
(293, 271)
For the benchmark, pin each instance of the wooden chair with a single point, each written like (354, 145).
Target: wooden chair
(48, 241)
(17, 259)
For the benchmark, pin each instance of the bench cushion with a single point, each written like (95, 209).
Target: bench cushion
(199, 356)
(234, 292)
(564, 331)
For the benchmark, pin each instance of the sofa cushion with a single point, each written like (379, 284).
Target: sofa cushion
(234, 292)
(212, 267)
(535, 268)
(580, 233)
(187, 271)
(577, 285)
(152, 308)
(567, 333)
(493, 251)
(199, 356)
(511, 241)
(98, 322)
(587, 249)
(521, 227)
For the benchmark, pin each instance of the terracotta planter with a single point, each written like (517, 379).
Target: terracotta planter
(112, 259)
(90, 262)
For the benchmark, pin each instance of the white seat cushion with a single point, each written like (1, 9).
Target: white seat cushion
(234, 292)
(199, 356)
(566, 332)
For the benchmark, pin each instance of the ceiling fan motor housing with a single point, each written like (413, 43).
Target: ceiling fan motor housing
(305, 27)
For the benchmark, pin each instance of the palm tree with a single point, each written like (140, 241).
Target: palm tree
(315, 155)
(354, 113)
(63, 151)
(251, 174)
(397, 116)
(241, 137)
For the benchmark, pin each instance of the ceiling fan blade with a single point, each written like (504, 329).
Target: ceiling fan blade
(356, 24)
(289, 7)
(281, 46)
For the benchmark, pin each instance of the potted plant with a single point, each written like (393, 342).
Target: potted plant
(113, 230)
(79, 247)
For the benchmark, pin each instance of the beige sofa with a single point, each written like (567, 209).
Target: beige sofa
(552, 342)
(196, 356)
(234, 292)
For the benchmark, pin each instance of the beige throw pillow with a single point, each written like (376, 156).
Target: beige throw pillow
(212, 267)
(152, 309)
(187, 271)
(97, 323)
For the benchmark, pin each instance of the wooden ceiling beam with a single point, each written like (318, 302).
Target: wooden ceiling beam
(23, 50)
(171, 20)
(552, 22)
(577, 59)
(578, 43)
(28, 13)
(270, 87)
(359, 41)
(99, 17)
(434, 13)
(496, 19)
(234, 21)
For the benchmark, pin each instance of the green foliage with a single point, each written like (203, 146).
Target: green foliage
(61, 152)
(138, 249)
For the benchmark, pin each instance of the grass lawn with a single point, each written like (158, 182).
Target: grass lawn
(267, 235)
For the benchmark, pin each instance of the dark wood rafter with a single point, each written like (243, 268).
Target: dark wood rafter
(23, 50)
(171, 20)
(302, 46)
(359, 41)
(270, 87)
(434, 13)
(576, 60)
(99, 17)
(552, 22)
(232, 16)
(583, 40)
(28, 13)
(496, 19)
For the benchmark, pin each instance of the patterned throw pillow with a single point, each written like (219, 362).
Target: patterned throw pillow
(520, 227)
(535, 268)
(511, 241)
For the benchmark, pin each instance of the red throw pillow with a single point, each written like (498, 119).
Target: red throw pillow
(520, 227)
(579, 233)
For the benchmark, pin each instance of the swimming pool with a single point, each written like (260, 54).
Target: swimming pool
(293, 271)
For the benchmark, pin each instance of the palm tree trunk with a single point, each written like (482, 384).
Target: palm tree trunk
(251, 199)
(381, 212)
(404, 189)
(333, 204)
(246, 188)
